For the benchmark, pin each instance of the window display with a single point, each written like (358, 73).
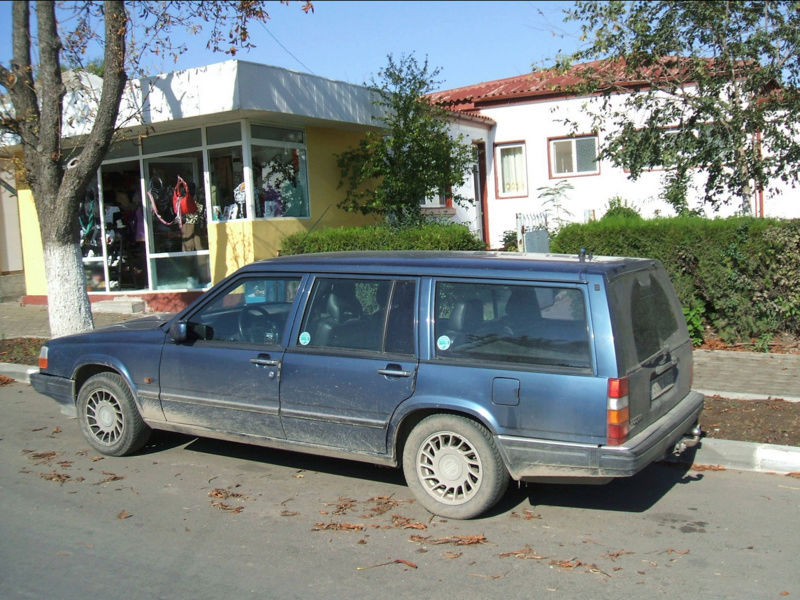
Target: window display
(280, 181)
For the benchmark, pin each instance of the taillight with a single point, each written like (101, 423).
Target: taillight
(43, 358)
(618, 411)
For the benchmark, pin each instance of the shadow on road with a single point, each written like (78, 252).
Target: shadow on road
(630, 494)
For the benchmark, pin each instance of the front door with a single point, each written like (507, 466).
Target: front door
(225, 376)
(351, 362)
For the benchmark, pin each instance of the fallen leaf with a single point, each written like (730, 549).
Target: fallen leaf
(527, 514)
(337, 527)
(400, 561)
(96, 458)
(525, 553)
(109, 477)
(407, 563)
(227, 507)
(489, 576)
(614, 555)
(451, 554)
(572, 563)
(362, 541)
(289, 513)
(696, 467)
(223, 494)
(342, 505)
(59, 477)
(456, 540)
(795, 474)
(383, 504)
(673, 551)
(124, 514)
(64, 464)
(42, 457)
(401, 522)
(4, 380)
(56, 430)
(38, 428)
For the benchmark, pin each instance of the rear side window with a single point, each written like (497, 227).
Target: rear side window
(531, 325)
(647, 316)
(374, 315)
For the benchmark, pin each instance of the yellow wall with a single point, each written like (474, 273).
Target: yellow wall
(32, 254)
(234, 244)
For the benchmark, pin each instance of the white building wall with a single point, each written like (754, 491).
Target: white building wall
(468, 213)
(535, 123)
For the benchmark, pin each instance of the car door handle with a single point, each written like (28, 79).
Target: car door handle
(395, 371)
(264, 362)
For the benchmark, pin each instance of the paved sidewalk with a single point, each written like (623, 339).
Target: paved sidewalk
(740, 375)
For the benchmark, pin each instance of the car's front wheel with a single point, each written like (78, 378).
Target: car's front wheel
(108, 416)
(453, 467)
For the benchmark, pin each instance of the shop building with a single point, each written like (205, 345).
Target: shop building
(216, 167)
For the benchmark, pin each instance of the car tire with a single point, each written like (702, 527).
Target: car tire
(108, 416)
(453, 466)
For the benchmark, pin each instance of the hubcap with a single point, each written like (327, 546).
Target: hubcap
(449, 468)
(104, 417)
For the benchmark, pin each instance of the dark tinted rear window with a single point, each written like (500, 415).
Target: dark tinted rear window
(647, 316)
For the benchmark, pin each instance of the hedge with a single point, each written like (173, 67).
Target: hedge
(740, 276)
(431, 236)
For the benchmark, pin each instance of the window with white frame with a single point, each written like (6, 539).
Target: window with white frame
(574, 156)
(512, 175)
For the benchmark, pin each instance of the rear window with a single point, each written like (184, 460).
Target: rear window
(520, 324)
(647, 316)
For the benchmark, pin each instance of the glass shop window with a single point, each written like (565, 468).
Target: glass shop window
(281, 184)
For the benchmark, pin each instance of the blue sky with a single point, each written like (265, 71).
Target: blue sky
(470, 41)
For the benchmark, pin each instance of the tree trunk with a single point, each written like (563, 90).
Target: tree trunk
(68, 303)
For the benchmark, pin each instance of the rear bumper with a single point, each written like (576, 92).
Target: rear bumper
(60, 389)
(528, 458)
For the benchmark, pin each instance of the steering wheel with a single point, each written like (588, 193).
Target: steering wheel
(255, 323)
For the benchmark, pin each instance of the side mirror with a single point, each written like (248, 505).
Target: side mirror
(179, 332)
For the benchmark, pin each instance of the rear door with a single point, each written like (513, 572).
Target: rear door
(352, 360)
(520, 352)
(652, 343)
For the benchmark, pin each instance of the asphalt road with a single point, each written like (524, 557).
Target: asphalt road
(191, 518)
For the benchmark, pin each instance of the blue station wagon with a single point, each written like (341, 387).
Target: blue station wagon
(468, 369)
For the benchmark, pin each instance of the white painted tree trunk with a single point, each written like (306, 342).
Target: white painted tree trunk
(67, 300)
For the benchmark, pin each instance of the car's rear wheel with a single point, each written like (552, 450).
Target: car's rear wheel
(453, 467)
(108, 416)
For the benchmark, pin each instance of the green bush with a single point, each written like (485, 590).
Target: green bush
(430, 236)
(740, 276)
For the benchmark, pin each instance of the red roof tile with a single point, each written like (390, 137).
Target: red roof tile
(550, 83)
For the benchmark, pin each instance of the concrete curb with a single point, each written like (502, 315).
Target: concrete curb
(748, 456)
(745, 396)
(730, 454)
(21, 373)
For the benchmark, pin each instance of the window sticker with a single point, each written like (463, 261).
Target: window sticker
(443, 342)
(305, 338)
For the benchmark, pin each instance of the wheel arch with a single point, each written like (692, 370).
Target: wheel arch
(409, 417)
(85, 371)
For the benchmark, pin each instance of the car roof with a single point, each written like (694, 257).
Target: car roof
(451, 263)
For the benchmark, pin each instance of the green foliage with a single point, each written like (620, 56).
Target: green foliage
(510, 242)
(430, 236)
(553, 198)
(412, 156)
(619, 207)
(740, 276)
(715, 81)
